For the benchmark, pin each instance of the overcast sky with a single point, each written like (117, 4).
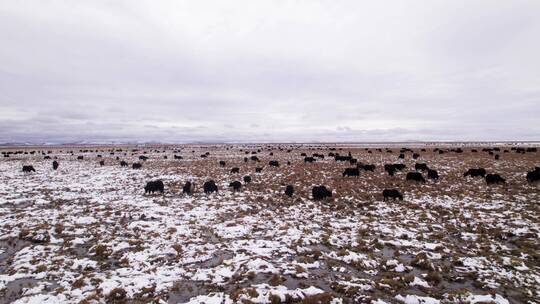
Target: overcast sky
(269, 70)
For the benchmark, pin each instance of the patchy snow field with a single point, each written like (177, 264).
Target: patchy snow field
(87, 233)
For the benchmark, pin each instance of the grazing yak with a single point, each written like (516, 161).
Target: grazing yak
(222, 163)
(494, 179)
(497, 156)
(415, 176)
(55, 165)
(273, 163)
(342, 158)
(178, 157)
(80, 157)
(247, 179)
(209, 187)
(258, 170)
(433, 174)
(188, 188)
(475, 172)
(154, 186)
(136, 166)
(236, 185)
(401, 156)
(123, 164)
(533, 176)
(143, 158)
(320, 192)
(47, 157)
(102, 163)
(420, 167)
(369, 168)
(289, 190)
(392, 193)
(235, 170)
(309, 159)
(392, 168)
(28, 169)
(254, 158)
(415, 155)
(351, 172)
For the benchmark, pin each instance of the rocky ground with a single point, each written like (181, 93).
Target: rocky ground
(87, 233)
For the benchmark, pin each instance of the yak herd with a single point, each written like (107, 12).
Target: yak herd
(321, 192)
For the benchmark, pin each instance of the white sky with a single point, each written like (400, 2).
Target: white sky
(269, 70)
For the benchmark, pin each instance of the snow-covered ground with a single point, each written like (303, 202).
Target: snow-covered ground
(88, 234)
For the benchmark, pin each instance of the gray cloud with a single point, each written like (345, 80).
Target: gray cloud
(180, 71)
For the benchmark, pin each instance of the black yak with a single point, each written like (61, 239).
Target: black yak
(235, 170)
(80, 157)
(415, 176)
(320, 192)
(154, 186)
(494, 179)
(236, 185)
(178, 157)
(188, 188)
(28, 169)
(289, 190)
(247, 179)
(273, 163)
(209, 187)
(433, 174)
(136, 166)
(533, 176)
(55, 165)
(254, 158)
(309, 159)
(102, 163)
(222, 163)
(123, 164)
(392, 193)
(368, 168)
(351, 172)
(258, 170)
(143, 158)
(475, 172)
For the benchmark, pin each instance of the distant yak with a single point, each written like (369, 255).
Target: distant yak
(209, 187)
(320, 192)
(392, 193)
(415, 176)
(28, 169)
(154, 186)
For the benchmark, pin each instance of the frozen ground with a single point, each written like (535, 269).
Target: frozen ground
(87, 233)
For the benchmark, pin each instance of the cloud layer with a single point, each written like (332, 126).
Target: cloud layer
(184, 71)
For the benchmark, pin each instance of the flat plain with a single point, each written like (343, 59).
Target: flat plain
(88, 233)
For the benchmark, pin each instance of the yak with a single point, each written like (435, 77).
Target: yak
(320, 192)
(177, 157)
(102, 163)
(368, 168)
(28, 169)
(392, 193)
(415, 176)
(433, 174)
(209, 187)
(254, 158)
(273, 163)
(351, 172)
(289, 190)
(533, 176)
(222, 163)
(136, 166)
(188, 188)
(80, 157)
(494, 179)
(144, 158)
(55, 165)
(309, 159)
(154, 186)
(258, 170)
(475, 172)
(247, 179)
(123, 163)
(235, 170)
(236, 185)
